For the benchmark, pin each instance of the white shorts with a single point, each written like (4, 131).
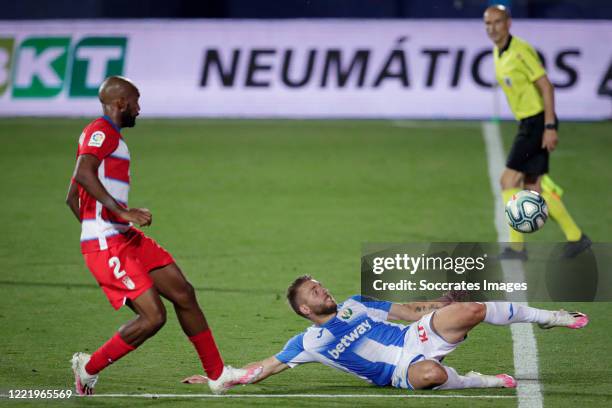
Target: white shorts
(420, 343)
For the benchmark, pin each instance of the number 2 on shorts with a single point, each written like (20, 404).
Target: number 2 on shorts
(115, 263)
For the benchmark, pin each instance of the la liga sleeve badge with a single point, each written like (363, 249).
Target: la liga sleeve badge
(96, 139)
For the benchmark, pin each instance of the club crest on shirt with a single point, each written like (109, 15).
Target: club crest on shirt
(508, 82)
(346, 314)
(96, 139)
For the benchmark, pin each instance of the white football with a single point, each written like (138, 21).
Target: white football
(526, 211)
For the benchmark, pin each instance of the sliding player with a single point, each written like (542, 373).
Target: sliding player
(356, 337)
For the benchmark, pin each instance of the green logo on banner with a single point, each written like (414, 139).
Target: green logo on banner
(93, 59)
(6, 59)
(40, 67)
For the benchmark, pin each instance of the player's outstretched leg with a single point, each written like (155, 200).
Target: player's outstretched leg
(151, 317)
(430, 374)
(173, 285)
(504, 313)
(453, 322)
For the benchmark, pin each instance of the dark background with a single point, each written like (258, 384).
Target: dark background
(60, 9)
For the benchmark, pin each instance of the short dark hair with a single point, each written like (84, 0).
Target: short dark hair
(292, 291)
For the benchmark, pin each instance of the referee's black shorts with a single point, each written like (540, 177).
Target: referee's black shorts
(526, 154)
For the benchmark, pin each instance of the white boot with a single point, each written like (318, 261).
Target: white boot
(83, 382)
(231, 377)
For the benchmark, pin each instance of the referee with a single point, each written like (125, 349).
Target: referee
(532, 100)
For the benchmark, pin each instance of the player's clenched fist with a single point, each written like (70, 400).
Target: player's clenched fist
(138, 216)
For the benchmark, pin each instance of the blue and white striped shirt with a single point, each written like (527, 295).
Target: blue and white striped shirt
(358, 340)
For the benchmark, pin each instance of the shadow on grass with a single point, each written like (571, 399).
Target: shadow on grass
(65, 285)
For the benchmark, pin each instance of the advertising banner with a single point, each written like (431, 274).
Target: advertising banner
(441, 69)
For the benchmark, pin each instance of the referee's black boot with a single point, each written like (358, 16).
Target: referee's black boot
(574, 248)
(509, 253)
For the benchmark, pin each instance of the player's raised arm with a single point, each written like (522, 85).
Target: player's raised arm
(413, 311)
(86, 174)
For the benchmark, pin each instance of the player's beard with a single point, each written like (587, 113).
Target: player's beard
(127, 119)
(326, 309)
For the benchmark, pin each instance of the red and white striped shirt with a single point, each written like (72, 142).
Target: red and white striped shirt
(100, 228)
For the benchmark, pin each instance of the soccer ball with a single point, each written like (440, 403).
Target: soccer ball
(526, 211)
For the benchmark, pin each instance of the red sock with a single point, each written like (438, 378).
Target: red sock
(111, 351)
(208, 353)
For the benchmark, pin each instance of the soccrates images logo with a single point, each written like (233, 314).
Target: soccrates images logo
(43, 67)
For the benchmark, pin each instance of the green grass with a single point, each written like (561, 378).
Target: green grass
(245, 206)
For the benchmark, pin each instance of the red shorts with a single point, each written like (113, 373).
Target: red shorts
(122, 271)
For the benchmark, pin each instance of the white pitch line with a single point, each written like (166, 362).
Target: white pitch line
(525, 349)
(397, 396)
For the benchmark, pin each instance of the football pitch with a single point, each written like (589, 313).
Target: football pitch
(245, 207)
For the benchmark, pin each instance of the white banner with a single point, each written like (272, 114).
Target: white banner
(295, 68)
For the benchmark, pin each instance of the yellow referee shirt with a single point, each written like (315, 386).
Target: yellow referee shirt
(517, 67)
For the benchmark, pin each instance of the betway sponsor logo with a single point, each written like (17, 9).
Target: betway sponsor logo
(348, 339)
